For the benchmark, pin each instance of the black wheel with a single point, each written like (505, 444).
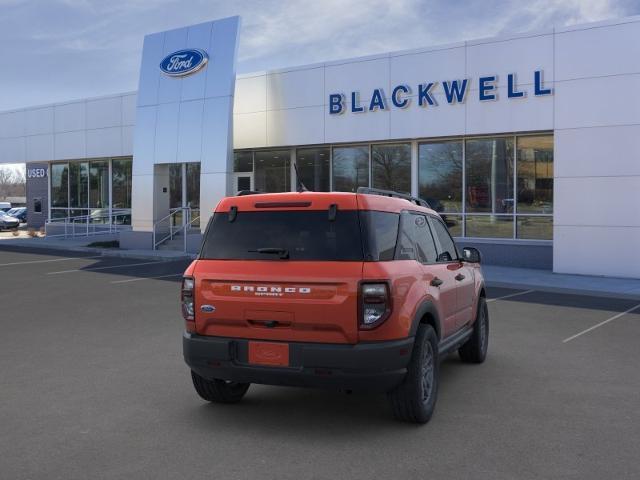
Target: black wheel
(414, 400)
(475, 349)
(219, 391)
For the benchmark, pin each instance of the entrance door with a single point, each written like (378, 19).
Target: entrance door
(242, 181)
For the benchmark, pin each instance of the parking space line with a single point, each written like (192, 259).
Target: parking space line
(615, 317)
(129, 280)
(47, 261)
(510, 296)
(103, 268)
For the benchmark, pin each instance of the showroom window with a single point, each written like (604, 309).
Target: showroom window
(483, 187)
(391, 167)
(440, 180)
(314, 168)
(82, 188)
(489, 187)
(350, 168)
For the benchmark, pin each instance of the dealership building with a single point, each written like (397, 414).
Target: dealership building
(528, 145)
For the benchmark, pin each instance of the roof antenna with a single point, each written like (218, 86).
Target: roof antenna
(301, 186)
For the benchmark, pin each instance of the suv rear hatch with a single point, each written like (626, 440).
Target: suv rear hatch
(281, 270)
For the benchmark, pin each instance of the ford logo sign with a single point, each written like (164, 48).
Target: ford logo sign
(184, 62)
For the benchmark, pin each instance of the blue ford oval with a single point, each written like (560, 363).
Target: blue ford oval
(184, 62)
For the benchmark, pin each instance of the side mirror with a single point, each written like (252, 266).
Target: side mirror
(471, 255)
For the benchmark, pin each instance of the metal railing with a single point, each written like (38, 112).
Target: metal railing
(102, 223)
(178, 221)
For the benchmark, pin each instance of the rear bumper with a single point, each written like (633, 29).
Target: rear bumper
(378, 366)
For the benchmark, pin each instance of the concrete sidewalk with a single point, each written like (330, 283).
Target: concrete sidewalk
(80, 245)
(547, 281)
(496, 276)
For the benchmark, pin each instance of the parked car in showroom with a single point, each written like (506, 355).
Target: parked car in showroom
(8, 222)
(20, 213)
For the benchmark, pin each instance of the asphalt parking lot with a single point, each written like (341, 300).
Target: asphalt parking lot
(93, 385)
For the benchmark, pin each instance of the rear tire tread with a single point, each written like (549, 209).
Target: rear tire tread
(218, 391)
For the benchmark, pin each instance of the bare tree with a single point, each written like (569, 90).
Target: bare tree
(12, 183)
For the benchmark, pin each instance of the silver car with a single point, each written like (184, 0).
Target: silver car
(8, 222)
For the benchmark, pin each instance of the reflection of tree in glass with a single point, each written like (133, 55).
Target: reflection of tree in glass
(440, 175)
(350, 168)
(392, 167)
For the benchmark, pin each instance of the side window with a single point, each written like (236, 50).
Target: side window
(415, 241)
(426, 248)
(406, 241)
(380, 231)
(446, 248)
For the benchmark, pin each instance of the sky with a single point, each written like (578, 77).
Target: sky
(58, 50)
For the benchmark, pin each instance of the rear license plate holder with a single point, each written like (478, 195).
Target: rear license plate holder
(270, 354)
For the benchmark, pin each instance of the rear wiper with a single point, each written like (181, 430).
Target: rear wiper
(282, 252)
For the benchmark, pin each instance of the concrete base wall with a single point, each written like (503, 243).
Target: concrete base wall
(194, 241)
(511, 254)
(131, 240)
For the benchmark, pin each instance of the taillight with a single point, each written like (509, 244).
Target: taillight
(375, 304)
(187, 298)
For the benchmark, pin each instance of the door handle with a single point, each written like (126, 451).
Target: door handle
(436, 282)
(459, 277)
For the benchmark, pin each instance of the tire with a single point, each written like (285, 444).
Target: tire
(475, 349)
(219, 391)
(414, 400)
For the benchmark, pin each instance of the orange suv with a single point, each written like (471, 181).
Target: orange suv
(353, 291)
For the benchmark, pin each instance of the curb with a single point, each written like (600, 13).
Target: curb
(564, 290)
(105, 252)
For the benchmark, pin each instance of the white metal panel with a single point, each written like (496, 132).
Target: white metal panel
(361, 76)
(70, 117)
(598, 151)
(430, 66)
(70, 145)
(521, 56)
(169, 88)
(12, 124)
(597, 102)
(606, 50)
(427, 121)
(356, 127)
(127, 140)
(596, 251)
(508, 114)
(295, 126)
(12, 150)
(190, 131)
(142, 200)
(216, 138)
(39, 121)
(39, 147)
(222, 52)
(250, 130)
(150, 69)
(296, 88)
(144, 141)
(166, 133)
(129, 109)
(597, 201)
(104, 142)
(193, 86)
(250, 94)
(104, 112)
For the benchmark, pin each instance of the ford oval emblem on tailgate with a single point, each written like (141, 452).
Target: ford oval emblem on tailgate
(208, 308)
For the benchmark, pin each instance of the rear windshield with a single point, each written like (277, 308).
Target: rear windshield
(302, 235)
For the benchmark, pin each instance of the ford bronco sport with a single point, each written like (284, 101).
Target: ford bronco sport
(354, 291)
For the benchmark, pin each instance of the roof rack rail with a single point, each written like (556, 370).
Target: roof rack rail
(391, 193)
(243, 193)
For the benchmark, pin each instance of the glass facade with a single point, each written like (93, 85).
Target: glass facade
(82, 189)
(391, 167)
(314, 168)
(350, 168)
(483, 187)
